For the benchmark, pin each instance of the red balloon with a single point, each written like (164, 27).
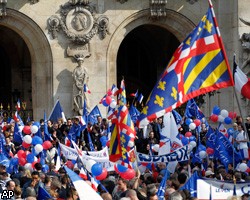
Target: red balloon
(103, 175)
(128, 175)
(47, 145)
(22, 161)
(108, 143)
(197, 122)
(69, 164)
(108, 100)
(188, 134)
(26, 129)
(214, 118)
(232, 114)
(209, 151)
(21, 154)
(109, 92)
(25, 145)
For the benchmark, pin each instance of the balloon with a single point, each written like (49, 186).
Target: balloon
(216, 110)
(108, 143)
(47, 145)
(26, 129)
(243, 167)
(22, 161)
(14, 161)
(197, 122)
(21, 154)
(214, 118)
(210, 151)
(220, 118)
(228, 120)
(192, 126)
(30, 158)
(27, 139)
(188, 121)
(28, 166)
(104, 102)
(36, 124)
(232, 115)
(188, 134)
(108, 100)
(37, 140)
(89, 164)
(96, 169)
(38, 148)
(33, 129)
(230, 131)
(69, 164)
(45, 168)
(109, 92)
(120, 168)
(103, 140)
(113, 104)
(25, 145)
(202, 148)
(129, 174)
(156, 147)
(103, 175)
(193, 144)
(224, 113)
(202, 154)
(192, 138)
(184, 141)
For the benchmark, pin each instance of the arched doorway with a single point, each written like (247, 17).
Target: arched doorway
(35, 61)
(16, 74)
(143, 55)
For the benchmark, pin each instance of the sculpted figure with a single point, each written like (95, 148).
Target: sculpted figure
(80, 77)
(79, 22)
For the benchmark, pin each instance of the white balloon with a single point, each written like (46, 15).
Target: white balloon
(243, 167)
(113, 104)
(221, 118)
(27, 139)
(89, 164)
(202, 154)
(38, 148)
(193, 143)
(192, 126)
(28, 166)
(224, 113)
(33, 129)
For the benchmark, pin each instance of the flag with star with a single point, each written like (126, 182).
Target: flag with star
(198, 66)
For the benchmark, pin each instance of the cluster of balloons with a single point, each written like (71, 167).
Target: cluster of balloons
(96, 169)
(124, 172)
(33, 129)
(222, 116)
(109, 101)
(192, 124)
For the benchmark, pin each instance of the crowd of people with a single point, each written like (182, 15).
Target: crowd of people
(25, 182)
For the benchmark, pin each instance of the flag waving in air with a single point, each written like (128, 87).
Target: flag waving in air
(199, 65)
(242, 82)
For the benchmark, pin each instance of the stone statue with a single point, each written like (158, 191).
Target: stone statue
(80, 77)
(79, 22)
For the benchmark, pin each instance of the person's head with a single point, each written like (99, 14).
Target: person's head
(175, 196)
(17, 192)
(10, 185)
(235, 126)
(30, 192)
(182, 178)
(72, 194)
(55, 184)
(240, 127)
(106, 196)
(38, 167)
(35, 176)
(151, 134)
(132, 194)
(122, 184)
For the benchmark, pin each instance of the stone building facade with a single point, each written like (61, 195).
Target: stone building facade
(41, 40)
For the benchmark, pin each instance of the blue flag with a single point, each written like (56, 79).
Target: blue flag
(134, 113)
(162, 188)
(192, 110)
(191, 184)
(198, 66)
(43, 194)
(177, 117)
(92, 117)
(47, 135)
(91, 145)
(74, 131)
(17, 136)
(57, 112)
(4, 160)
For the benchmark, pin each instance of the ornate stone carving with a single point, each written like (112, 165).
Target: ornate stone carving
(157, 8)
(245, 38)
(3, 4)
(78, 22)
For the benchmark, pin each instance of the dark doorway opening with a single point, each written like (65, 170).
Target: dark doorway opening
(142, 57)
(15, 63)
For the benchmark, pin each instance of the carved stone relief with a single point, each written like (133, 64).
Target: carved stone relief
(78, 23)
(3, 4)
(157, 8)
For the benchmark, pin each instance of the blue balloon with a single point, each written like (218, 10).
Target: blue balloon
(184, 141)
(45, 168)
(14, 161)
(228, 120)
(30, 158)
(230, 131)
(103, 140)
(121, 168)
(188, 121)
(202, 148)
(192, 138)
(216, 110)
(37, 140)
(104, 103)
(96, 169)
(36, 124)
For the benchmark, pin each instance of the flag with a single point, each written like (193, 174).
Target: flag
(134, 113)
(17, 136)
(122, 96)
(47, 136)
(94, 183)
(92, 117)
(43, 194)
(162, 188)
(140, 98)
(198, 66)
(177, 117)
(18, 105)
(57, 112)
(91, 145)
(86, 89)
(83, 189)
(242, 82)
(58, 159)
(134, 94)
(192, 110)
(83, 174)
(18, 119)
(191, 184)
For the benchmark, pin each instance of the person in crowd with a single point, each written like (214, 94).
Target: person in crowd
(242, 140)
